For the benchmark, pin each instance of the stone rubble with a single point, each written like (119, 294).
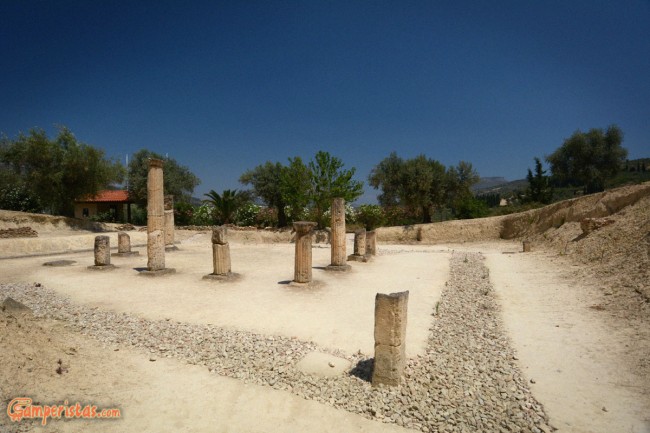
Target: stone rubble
(468, 380)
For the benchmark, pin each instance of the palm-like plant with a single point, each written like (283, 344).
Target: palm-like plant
(226, 204)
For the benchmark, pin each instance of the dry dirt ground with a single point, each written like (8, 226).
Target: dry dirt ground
(576, 310)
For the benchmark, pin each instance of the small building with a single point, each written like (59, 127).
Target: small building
(116, 205)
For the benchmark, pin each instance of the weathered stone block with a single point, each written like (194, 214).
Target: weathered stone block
(102, 250)
(219, 235)
(390, 338)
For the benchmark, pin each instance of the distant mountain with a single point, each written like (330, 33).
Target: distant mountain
(500, 185)
(489, 182)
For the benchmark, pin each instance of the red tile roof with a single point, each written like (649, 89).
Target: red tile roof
(107, 196)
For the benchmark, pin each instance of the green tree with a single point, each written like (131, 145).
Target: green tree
(55, 172)
(266, 181)
(330, 180)
(178, 180)
(539, 185)
(295, 186)
(588, 159)
(417, 184)
(226, 204)
(458, 190)
(387, 176)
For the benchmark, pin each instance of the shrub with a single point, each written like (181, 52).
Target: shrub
(370, 216)
(183, 213)
(203, 215)
(246, 215)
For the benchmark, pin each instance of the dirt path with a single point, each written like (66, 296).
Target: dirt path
(575, 357)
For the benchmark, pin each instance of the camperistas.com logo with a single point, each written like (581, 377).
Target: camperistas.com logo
(22, 408)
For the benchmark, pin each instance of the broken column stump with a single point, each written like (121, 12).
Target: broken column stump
(155, 221)
(169, 223)
(222, 270)
(339, 254)
(302, 264)
(359, 247)
(124, 246)
(390, 338)
(102, 254)
(371, 243)
(526, 246)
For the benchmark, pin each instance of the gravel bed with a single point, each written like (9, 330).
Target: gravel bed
(468, 380)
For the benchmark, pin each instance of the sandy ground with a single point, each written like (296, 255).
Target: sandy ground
(577, 361)
(337, 314)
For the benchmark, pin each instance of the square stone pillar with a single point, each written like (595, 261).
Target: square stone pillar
(390, 338)
(338, 237)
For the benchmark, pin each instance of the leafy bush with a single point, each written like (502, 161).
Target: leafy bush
(18, 198)
(203, 215)
(247, 214)
(139, 215)
(370, 216)
(471, 207)
(103, 217)
(267, 217)
(183, 213)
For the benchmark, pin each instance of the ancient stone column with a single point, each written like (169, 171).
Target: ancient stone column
(124, 246)
(371, 243)
(390, 338)
(220, 252)
(359, 247)
(526, 246)
(169, 222)
(302, 269)
(155, 220)
(102, 253)
(338, 236)
(221, 257)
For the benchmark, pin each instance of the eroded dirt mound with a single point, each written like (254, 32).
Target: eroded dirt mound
(46, 223)
(20, 232)
(576, 210)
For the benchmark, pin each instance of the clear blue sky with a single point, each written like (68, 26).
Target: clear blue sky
(223, 86)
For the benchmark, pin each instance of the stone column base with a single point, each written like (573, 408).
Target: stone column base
(357, 258)
(158, 272)
(127, 254)
(230, 276)
(338, 268)
(101, 267)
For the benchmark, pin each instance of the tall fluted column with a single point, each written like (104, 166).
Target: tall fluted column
(338, 236)
(302, 269)
(155, 217)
